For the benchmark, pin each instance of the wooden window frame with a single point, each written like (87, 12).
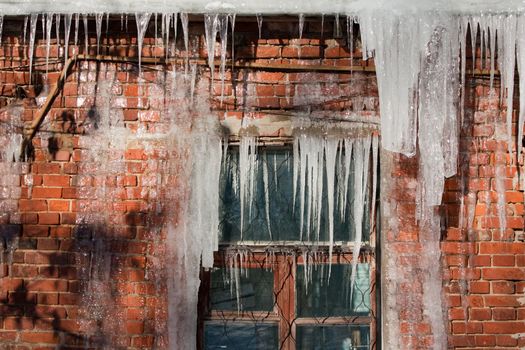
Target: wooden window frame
(284, 268)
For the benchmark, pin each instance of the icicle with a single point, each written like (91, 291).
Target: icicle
(275, 171)
(337, 25)
(521, 69)
(223, 30)
(26, 19)
(473, 36)
(185, 33)
(347, 160)
(32, 34)
(397, 43)
(232, 21)
(67, 24)
(322, 26)
(259, 24)
(301, 25)
(98, 21)
(193, 79)
(1, 27)
(507, 70)
(155, 30)
(375, 155)
(350, 36)
(247, 174)
(210, 28)
(142, 20)
(175, 27)
(266, 194)
(75, 40)
(166, 23)
(43, 28)
(57, 32)
(331, 148)
(49, 24)
(126, 22)
(295, 168)
(121, 22)
(107, 26)
(463, 48)
(492, 54)
(86, 35)
(361, 161)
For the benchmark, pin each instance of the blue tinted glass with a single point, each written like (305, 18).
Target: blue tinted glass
(255, 290)
(332, 337)
(238, 336)
(284, 223)
(323, 297)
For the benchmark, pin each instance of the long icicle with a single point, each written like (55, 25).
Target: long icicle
(67, 23)
(32, 34)
(98, 21)
(142, 20)
(210, 28)
(521, 69)
(361, 161)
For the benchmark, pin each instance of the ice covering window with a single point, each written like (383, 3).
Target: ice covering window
(278, 281)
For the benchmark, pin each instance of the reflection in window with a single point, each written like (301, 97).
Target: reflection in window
(240, 336)
(274, 199)
(251, 290)
(322, 297)
(332, 337)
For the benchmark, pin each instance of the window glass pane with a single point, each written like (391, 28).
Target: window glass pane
(284, 215)
(321, 297)
(255, 289)
(332, 337)
(240, 336)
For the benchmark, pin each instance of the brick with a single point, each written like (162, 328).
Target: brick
(501, 248)
(47, 168)
(47, 286)
(36, 231)
(480, 314)
(68, 298)
(29, 218)
(504, 314)
(504, 327)
(48, 219)
(8, 335)
(503, 273)
(47, 192)
(58, 205)
(62, 156)
(267, 51)
(18, 323)
(485, 340)
(48, 244)
(479, 287)
(501, 300)
(47, 298)
(32, 205)
(56, 180)
(135, 154)
(40, 337)
(503, 287)
(506, 340)
(458, 248)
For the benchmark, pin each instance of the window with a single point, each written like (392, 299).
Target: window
(275, 285)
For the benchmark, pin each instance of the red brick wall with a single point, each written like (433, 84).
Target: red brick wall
(46, 295)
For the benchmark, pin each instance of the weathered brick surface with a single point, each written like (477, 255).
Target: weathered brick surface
(46, 295)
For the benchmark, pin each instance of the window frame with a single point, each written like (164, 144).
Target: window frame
(284, 267)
